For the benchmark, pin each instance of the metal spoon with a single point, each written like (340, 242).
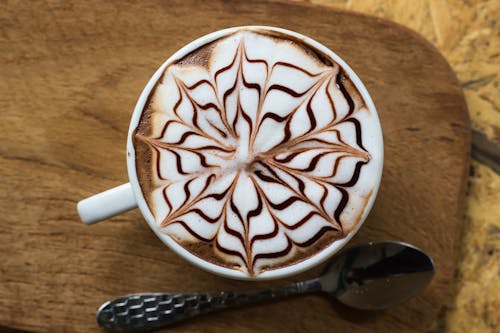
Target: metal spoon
(370, 277)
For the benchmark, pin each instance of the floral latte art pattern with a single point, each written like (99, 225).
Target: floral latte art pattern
(254, 151)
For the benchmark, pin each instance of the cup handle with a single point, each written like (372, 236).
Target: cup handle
(107, 204)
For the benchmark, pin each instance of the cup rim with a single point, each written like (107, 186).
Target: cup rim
(285, 271)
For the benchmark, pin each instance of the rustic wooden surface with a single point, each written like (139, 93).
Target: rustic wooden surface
(467, 33)
(71, 74)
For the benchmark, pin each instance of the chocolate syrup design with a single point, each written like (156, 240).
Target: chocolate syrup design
(255, 155)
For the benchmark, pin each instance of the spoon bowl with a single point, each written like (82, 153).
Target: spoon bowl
(376, 276)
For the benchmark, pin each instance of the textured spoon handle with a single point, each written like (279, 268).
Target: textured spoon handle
(144, 312)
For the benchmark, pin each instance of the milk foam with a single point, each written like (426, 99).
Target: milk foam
(262, 154)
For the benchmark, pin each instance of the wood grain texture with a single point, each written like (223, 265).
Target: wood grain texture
(71, 74)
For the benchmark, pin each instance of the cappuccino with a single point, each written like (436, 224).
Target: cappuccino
(256, 151)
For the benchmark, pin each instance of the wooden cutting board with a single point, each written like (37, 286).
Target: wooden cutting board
(71, 73)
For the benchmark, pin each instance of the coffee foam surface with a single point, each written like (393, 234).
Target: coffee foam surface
(260, 153)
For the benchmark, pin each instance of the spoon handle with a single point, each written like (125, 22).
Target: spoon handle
(144, 312)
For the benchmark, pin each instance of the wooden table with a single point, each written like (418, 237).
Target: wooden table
(72, 73)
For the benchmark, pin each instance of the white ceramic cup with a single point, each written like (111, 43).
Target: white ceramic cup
(129, 196)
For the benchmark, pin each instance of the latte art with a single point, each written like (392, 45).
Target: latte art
(255, 152)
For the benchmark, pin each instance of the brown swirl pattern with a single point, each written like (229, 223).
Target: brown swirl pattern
(254, 150)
